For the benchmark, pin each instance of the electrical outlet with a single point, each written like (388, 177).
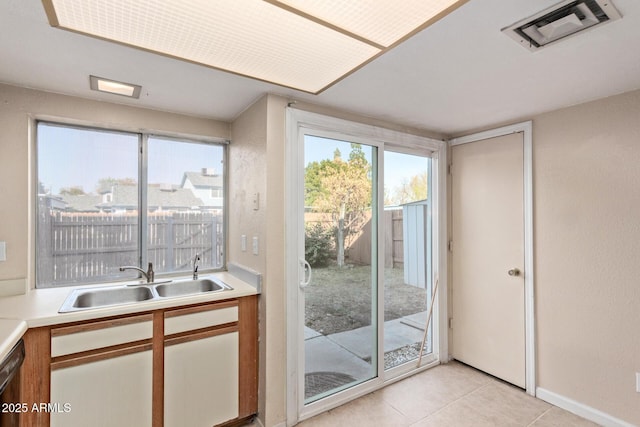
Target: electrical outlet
(3, 251)
(638, 382)
(243, 243)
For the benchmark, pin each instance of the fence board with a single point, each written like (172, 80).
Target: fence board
(89, 247)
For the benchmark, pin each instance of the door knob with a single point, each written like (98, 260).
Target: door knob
(514, 272)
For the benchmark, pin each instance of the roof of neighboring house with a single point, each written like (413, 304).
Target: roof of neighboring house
(200, 180)
(180, 197)
(417, 202)
(83, 202)
(126, 196)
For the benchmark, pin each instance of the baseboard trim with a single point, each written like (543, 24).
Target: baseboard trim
(580, 409)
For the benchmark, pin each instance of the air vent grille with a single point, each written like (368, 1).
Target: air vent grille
(561, 21)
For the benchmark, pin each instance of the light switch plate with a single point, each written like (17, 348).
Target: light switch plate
(638, 382)
(255, 245)
(3, 251)
(243, 243)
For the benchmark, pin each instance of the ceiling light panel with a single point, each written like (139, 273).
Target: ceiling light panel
(248, 37)
(307, 45)
(382, 22)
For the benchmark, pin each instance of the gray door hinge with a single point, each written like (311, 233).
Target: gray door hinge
(450, 246)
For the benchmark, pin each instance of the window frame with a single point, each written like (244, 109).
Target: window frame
(143, 136)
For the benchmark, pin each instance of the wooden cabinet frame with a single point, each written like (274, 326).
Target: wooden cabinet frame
(35, 373)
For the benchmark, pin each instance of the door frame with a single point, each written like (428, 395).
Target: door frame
(297, 121)
(526, 128)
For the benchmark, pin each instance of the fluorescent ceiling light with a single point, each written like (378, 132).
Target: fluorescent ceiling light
(117, 88)
(307, 45)
(381, 22)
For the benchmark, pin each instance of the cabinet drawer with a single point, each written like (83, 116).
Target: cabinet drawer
(190, 319)
(91, 336)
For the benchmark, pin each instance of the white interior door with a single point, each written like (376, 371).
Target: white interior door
(488, 256)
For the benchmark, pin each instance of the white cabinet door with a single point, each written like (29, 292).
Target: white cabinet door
(110, 392)
(201, 381)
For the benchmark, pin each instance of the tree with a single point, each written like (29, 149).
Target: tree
(72, 191)
(411, 190)
(343, 189)
(105, 184)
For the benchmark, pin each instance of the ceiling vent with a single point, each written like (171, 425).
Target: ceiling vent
(560, 21)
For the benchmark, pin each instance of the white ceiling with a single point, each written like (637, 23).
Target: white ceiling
(459, 74)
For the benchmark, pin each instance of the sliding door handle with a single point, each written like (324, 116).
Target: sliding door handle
(306, 275)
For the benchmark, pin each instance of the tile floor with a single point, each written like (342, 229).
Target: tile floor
(447, 395)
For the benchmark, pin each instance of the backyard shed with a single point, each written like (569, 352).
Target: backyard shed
(417, 242)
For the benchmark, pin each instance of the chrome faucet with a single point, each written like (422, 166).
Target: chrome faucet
(149, 274)
(195, 266)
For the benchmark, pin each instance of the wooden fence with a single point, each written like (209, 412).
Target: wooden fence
(89, 247)
(359, 246)
(360, 249)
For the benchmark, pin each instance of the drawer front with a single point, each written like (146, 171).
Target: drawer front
(183, 320)
(106, 393)
(76, 339)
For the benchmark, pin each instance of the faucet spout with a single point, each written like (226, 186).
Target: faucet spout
(149, 274)
(195, 266)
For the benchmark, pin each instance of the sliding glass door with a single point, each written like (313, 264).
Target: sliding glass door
(360, 259)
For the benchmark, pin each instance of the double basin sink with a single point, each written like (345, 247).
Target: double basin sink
(87, 298)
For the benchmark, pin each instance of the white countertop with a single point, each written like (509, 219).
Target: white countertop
(11, 331)
(39, 307)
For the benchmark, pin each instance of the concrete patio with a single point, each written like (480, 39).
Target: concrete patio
(350, 352)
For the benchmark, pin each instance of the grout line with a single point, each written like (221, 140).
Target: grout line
(540, 416)
(452, 402)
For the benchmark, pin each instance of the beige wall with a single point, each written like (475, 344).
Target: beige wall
(248, 176)
(17, 107)
(587, 249)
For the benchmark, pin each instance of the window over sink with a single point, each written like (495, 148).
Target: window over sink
(107, 198)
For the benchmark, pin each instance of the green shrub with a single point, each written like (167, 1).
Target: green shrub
(318, 245)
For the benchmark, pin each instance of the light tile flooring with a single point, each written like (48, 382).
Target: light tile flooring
(447, 395)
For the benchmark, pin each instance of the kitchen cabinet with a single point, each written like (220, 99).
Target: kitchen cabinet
(101, 373)
(190, 365)
(201, 366)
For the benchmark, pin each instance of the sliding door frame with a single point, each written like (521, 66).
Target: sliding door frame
(299, 122)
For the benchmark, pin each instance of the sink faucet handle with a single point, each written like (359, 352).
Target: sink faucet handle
(195, 266)
(150, 273)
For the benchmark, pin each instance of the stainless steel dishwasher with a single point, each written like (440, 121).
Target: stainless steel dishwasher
(9, 367)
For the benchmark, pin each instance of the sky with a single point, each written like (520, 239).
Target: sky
(71, 157)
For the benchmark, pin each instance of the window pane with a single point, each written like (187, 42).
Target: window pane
(184, 204)
(340, 301)
(87, 204)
